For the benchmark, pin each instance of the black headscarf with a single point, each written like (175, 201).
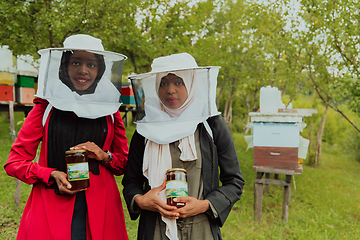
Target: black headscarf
(67, 130)
(64, 74)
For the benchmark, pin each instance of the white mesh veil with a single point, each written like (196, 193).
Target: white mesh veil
(156, 125)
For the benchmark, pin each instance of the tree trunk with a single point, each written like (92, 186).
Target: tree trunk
(310, 140)
(226, 106)
(132, 58)
(218, 98)
(319, 137)
(247, 113)
(229, 114)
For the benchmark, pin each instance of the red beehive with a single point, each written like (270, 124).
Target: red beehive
(6, 93)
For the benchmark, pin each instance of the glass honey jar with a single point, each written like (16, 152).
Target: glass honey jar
(176, 186)
(77, 169)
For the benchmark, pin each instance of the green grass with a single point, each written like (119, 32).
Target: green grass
(324, 205)
(10, 215)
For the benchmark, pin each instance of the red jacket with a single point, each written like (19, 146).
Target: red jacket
(48, 215)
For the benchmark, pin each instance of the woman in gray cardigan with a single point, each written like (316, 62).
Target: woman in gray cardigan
(181, 129)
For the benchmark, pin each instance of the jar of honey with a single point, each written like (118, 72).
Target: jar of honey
(77, 169)
(176, 186)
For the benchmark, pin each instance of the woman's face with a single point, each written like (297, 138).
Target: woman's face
(172, 91)
(83, 69)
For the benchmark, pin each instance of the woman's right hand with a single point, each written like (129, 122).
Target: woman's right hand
(151, 201)
(62, 182)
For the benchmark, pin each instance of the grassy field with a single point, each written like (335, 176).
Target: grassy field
(325, 201)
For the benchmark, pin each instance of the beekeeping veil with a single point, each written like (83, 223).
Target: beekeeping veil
(152, 121)
(101, 98)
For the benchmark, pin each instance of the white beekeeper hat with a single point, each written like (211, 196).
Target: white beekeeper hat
(83, 42)
(105, 100)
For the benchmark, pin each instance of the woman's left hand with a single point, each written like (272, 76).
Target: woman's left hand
(93, 151)
(193, 206)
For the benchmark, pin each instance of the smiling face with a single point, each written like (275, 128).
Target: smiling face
(172, 91)
(82, 68)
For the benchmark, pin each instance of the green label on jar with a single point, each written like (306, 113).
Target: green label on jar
(78, 171)
(176, 188)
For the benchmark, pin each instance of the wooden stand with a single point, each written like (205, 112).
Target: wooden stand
(259, 182)
(276, 142)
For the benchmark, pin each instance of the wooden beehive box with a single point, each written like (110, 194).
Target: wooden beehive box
(7, 78)
(6, 92)
(276, 145)
(276, 138)
(25, 81)
(127, 96)
(24, 95)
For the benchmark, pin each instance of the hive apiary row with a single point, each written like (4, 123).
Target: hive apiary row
(127, 95)
(20, 89)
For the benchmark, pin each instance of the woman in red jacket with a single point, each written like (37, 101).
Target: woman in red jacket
(77, 108)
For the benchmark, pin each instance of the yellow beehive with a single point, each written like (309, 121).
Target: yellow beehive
(7, 78)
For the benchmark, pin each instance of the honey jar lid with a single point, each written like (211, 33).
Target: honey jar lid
(176, 169)
(75, 151)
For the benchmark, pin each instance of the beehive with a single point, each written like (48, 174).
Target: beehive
(24, 95)
(25, 81)
(6, 92)
(127, 96)
(276, 145)
(7, 78)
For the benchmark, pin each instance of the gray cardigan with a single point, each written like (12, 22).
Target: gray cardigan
(217, 152)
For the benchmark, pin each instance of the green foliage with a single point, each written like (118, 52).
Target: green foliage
(9, 214)
(34, 25)
(334, 27)
(338, 132)
(167, 27)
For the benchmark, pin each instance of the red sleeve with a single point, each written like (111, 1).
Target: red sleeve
(20, 161)
(119, 147)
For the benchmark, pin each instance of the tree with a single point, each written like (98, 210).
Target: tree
(29, 26)
(167, 27)
(230, 43)
(335, 28)
(255, 49)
